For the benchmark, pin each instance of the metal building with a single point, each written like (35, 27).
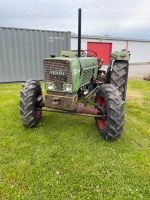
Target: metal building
(104, 45)
(22, 52)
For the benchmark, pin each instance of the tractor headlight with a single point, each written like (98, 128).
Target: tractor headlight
(50, 86)
(67, 87)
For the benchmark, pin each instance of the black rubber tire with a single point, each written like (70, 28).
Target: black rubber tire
(30, 100)
(114, 111)
(119, 77)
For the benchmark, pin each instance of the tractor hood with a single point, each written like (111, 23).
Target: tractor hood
(69, 70)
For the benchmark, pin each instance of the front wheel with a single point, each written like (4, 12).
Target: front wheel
(30, 103)
(110, 103)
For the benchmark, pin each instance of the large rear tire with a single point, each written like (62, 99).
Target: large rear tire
(119, 76)
(30, 103)
(111, 104)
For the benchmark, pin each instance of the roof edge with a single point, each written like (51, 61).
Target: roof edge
(74, 35)
(31, 29)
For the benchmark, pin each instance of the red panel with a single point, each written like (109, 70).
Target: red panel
(103, 50)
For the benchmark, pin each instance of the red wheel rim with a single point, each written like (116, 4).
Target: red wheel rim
(37, 114)
(101, 101)
(37, 108)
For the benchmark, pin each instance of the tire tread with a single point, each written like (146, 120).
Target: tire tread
(27, 102)
(114, 112)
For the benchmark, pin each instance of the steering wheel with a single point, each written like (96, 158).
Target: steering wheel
(88, 53)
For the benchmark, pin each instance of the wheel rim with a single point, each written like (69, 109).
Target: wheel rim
(37, 107)
(102, 122)
(37, 113)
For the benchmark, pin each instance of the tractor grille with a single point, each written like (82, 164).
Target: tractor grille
(57, 71)
(58, 86)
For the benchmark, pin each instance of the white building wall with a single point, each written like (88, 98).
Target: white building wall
(140, 51)
(74, 43)
(116, 45)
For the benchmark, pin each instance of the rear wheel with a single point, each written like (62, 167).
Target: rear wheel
(110, 103)
(30, 103)
(119, 76)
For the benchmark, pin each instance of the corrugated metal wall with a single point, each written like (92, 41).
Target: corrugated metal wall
(22, 52)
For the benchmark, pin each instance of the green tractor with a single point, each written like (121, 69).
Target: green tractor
(72, 81)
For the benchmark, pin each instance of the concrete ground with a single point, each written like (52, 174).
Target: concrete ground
(139, 70)
(136, 70)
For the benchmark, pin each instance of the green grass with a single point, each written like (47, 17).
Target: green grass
(65, 158)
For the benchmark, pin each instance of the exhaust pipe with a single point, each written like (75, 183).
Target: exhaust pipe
(79, 32)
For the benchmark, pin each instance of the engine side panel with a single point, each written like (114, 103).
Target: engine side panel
(89, 70)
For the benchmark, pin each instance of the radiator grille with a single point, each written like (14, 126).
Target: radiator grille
(86, 76)
(58, 86)
(57, 71)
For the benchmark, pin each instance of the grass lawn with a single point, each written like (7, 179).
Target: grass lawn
(65, 158)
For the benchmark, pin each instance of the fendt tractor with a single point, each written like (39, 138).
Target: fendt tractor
(72, 82)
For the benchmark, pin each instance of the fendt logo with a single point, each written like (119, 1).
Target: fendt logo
(57, 72)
